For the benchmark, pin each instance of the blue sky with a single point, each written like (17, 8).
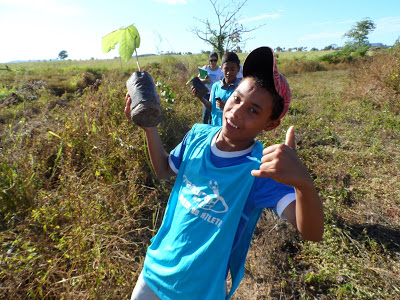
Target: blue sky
(40, 29)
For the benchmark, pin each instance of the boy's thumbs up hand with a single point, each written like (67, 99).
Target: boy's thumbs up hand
(281, 163)
(290, 140)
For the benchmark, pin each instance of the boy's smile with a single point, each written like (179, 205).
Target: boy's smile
(247, 112)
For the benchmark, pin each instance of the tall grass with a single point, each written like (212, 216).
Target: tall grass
(79, 202)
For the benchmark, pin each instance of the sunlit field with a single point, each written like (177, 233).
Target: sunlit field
(79, 201)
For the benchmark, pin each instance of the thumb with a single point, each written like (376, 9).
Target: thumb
(290, 140)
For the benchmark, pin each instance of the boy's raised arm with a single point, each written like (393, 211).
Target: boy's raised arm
(158, 155)
(281, 163)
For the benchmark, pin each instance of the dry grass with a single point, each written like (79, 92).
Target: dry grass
(377, 80)
(79, 202)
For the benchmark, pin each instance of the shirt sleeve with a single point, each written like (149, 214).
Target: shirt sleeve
(175, 157)
(267, 193)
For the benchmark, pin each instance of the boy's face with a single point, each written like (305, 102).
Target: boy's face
(230, 70)
(247, 112)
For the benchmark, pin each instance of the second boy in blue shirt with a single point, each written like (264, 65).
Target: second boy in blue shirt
(221, 90)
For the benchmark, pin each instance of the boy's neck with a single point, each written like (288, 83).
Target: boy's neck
(229, 83)
(223, 143)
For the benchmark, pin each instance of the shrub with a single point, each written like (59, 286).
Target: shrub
(348, 54)
(300, 65)
(377, 80)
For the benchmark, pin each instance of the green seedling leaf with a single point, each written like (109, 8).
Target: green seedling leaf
(128, 39)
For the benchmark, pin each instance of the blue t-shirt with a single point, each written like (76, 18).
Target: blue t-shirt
(202, 221)
(260, 194)
(223, 91)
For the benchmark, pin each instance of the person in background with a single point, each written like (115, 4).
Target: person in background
(221, 90)
(214, 74)
(224, 180)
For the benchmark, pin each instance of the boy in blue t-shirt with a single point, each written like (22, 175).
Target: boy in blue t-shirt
(215, 203)
(214, 74)
(222, 89)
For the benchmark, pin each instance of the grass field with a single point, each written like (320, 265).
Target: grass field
(116, 63)
(79, 202)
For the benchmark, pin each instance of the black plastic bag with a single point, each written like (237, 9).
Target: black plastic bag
(201, 89)
(145, 105)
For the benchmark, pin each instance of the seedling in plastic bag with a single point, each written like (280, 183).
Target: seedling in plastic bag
(145, 105)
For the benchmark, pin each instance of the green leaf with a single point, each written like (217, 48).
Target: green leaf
(128, 39)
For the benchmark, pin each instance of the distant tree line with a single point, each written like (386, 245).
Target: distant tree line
(358, 40)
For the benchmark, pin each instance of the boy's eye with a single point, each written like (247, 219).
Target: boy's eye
(252, 110)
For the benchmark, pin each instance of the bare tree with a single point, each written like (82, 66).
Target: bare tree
(226, 34)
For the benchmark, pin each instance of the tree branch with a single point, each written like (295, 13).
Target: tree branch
(228, 31)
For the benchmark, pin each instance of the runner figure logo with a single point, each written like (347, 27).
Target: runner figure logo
(215, 203)
(212, 202)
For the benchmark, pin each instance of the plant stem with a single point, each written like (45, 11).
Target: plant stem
(137, 60)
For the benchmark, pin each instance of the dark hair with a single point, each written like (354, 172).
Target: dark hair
(277, 101)
(230, 57)
(213, 54)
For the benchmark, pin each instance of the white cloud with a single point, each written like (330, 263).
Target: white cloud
(173, 2)
(43, 5)
(322, 35)
(46, 46)
(331, 22)
(347, 22)
(261, 17)
(387, 25)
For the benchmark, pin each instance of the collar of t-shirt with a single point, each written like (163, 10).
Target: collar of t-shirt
(228, 158)
(227, 86)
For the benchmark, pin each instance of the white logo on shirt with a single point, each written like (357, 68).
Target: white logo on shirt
(215, 202)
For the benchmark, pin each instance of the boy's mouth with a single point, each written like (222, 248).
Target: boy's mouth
(230, 123)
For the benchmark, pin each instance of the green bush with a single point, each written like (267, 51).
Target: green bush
(348, 54)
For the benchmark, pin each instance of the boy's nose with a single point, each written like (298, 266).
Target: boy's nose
(237, 111)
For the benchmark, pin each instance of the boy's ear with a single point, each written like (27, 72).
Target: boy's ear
(272, 124)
